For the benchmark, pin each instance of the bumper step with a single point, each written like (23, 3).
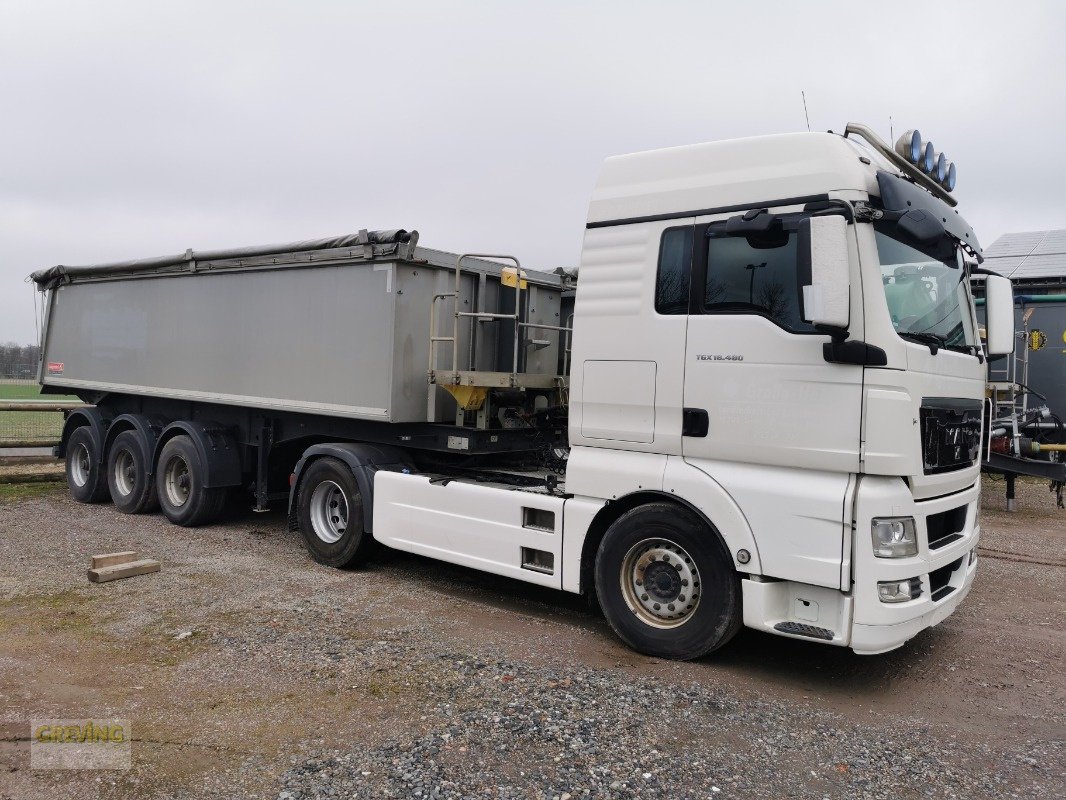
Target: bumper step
(799, 629)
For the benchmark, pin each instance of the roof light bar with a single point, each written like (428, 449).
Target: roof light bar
(916, 158)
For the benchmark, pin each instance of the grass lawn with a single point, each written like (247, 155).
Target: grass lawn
(29, 425)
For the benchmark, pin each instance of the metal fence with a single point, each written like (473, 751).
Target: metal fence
(21, 424)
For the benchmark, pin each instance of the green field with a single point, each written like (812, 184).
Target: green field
(29, 425)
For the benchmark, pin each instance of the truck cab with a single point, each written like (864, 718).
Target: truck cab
(826, 426)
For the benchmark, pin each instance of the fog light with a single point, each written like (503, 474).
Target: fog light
(899, 591)
(973, 556)
(894, 537)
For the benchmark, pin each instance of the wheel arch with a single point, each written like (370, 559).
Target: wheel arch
(613, 510)
(362, 459)
(215, 446)
(90, 417)
(147, 427)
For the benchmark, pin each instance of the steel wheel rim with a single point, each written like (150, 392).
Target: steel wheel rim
(80, 465)
(177, 480)
(660, 583)
(329, 512)
(124, 472)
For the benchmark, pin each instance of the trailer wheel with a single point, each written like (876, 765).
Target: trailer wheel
(179, 483)
(85, 478)
(330, 512)
(128, 474)
(666, 583)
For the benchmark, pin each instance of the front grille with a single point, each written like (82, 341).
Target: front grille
(951, 433)
(938, 580)
(945, 527)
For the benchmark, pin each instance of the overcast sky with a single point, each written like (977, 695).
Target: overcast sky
(140, 129)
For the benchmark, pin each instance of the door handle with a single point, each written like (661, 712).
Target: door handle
(694, 422)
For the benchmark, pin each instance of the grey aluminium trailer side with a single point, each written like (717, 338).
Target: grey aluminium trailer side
(339, 331)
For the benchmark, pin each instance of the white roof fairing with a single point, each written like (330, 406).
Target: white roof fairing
(733, 172)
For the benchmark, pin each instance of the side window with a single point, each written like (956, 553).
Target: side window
(675, 267)
(755, 274)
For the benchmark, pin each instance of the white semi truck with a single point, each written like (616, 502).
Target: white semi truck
(761, 405)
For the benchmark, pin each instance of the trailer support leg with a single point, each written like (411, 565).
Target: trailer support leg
(1010, 492)
(262, 464)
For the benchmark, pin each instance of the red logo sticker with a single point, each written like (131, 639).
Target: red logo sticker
(55, 367)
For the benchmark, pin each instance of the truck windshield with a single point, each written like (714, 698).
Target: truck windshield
(926, 293)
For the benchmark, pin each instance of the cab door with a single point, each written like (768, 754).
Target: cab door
(767, 416)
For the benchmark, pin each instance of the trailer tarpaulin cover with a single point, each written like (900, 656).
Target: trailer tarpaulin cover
(48, 278)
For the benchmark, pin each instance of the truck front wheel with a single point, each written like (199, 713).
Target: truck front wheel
(85, 478)
(330, 511)
(666, 583)
(179, 484)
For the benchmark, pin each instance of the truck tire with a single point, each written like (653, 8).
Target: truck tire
(666, 583)
(85, 478)
(179, 484)
(128, 473)
(330, 513)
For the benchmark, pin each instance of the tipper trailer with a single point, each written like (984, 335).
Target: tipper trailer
(759, 401)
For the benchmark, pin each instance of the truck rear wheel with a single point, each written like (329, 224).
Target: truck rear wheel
(330, 511)
(128, 474)
(85, 478)
(179, 482)
(666, 583)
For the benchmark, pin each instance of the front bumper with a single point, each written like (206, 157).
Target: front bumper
(858, 618)
(945, 567)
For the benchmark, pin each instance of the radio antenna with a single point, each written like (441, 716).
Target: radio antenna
(805, 115)
(891, 130)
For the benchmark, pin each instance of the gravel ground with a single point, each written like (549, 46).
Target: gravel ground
(248, 671)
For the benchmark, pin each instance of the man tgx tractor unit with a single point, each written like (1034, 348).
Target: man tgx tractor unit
(758, 402)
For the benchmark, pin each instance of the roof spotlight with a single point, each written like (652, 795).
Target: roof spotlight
(909, 145)
(940, 167)
(928, 159)
(948, 181)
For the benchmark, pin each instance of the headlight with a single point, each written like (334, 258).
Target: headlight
(894, 537)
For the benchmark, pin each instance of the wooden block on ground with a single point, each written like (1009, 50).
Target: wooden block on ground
(110, 559)
(127, 570)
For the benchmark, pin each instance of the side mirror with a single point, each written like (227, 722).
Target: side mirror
(999, 315)
(824, 274)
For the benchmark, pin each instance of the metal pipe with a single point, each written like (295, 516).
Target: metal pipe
(5, 444)
(20, 405)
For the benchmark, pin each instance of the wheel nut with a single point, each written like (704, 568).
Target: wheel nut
(681, 599)
(671, 606)
(643, 597)
(656, 606)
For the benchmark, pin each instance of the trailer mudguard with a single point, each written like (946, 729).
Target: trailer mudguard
(92, 418)
(216, 447)
(363, 460)
(149, 429)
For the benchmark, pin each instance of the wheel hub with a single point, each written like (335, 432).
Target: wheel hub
(660, 582)
(329, 512)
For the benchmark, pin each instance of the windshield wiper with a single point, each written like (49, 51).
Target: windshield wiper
(935, 342)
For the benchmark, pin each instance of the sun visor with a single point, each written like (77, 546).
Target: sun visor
(899, 194)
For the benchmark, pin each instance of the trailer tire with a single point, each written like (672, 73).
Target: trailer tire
(666, 583)
(179, 484)
(85, 478)
(330, 514)
(129, 474)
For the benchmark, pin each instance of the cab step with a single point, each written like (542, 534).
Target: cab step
(810, 631)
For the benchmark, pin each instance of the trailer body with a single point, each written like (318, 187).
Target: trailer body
(335, 331)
